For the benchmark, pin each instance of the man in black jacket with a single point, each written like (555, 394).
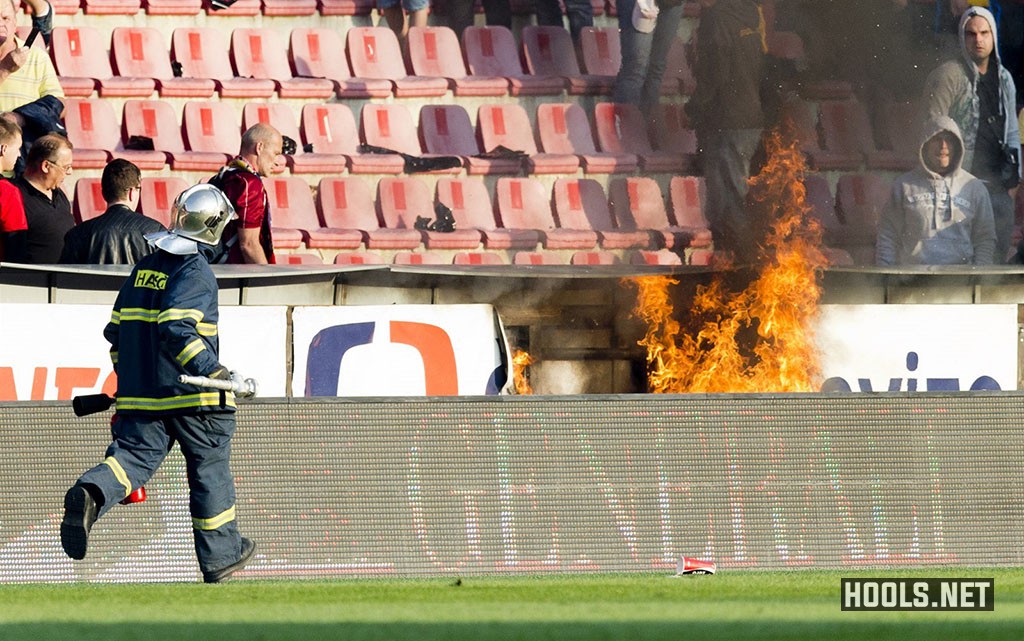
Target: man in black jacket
(116, 237)
(726, 113)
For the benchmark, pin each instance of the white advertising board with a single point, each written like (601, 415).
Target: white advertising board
(397, 350)
(55, 352)
(900, 348)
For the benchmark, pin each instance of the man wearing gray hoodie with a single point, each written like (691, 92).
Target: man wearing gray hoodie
(938, 214)
(978, 93)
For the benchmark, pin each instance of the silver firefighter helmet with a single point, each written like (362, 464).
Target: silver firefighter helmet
(199, 215)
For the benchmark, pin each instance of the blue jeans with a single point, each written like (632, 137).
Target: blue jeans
(580, 12)
(644, 55)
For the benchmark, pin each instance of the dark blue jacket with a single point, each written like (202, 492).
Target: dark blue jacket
(164, 324)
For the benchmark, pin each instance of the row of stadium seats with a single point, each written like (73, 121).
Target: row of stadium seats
(209, 132)
(345, 214)
(257, 64)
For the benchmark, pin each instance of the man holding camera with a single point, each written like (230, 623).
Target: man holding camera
(248, 239)
(978, 93)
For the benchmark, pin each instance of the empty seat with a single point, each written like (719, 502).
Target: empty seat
(670, 132)
(822, 204)
(294, 214)
(81, 62)
(601, 53)
(345, 7)
(472, 209)
(898, 146)
(491, 51)
(289, 7)
(582, 204)
(508, 125)
(478, 258)
(620, 128)
(279, 116)
(687, 196)
(374, 53)
(259, 53)
(299, 259)
(153, 121)
(524, 205)
(95, 131)
(435, 52)
(211, 127)
(418, 258)
(860, 200)
(329, 129)
(111, 7)
(846, 131)
(157, 196)
(173, 7)
(203, 52)
(661, 257)
(347, 213)
(798, 121)
(549, 52)
(140, 52)
(403, 201)
(358, 258)
(447, 130)
(563, 128)
(637, 204)
(678, 77)
(537, 258)
(595, 258)
(317, 53)
(89, 202)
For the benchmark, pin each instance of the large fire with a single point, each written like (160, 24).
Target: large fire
(760, 339)
(520, 361)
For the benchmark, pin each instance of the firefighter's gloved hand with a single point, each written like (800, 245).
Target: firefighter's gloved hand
(221, 373)
(243, 387)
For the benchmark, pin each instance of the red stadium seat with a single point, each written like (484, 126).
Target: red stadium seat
(621, 129)
(661, 257)
(95, 132)
(347, 213)
(173, 7)
(823, 207)
(66, 7)
(316, 53)
(582, 204)
(447, 130)
(670, 132)
(238, 8)
(259, 53)
(374, 52)
(860, 200)
(358, 258)
(898, 146)
(678, 77)
(330, 129)
(549, 52)
(403, 200)
(289, 7)
(111, 7)
(345, 7)
(846, 131)
(153, 120)
(395, 196)
(595, 258)
(299, 259)
(537, 258)
(89, 202)
(478, 258)
(81, 62)
(203, 52)
(563, 129)
(212, 127)
(435, 52)
(600, 50)
(491, 51)
(524, 205)
(293, 212)
(140, 52)
(687, 196)
(158, 194)
(508, 125)
(638, 205)
(418, 258)
(389, 127)
(472, 209)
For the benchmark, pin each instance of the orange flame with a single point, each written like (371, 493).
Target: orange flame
(760, 339)
(520, 361)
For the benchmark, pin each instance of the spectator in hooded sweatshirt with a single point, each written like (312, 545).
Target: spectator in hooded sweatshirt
(938, 214)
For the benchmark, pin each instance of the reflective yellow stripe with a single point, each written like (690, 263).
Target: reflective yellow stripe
(115, 317)
(179, 314)
(215, 522)
(113, 358)
(119, 474)
(203, 399)
(139, 314)
(190, 351)
(206, 329)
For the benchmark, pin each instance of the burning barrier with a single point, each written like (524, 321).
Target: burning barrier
(759, 339)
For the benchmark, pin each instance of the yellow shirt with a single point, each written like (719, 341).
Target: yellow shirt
(37, 78)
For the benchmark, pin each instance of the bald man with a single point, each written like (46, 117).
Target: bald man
(247, 239)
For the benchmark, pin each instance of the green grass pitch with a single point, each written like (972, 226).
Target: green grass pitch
(733, 605)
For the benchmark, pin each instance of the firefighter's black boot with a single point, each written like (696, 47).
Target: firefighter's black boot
(80, 512)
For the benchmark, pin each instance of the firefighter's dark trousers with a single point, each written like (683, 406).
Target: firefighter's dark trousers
(140, 445)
